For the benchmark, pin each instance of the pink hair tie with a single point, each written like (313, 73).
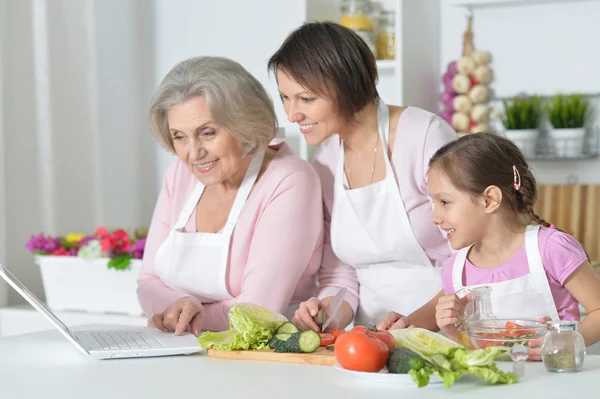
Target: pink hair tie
(552, 226)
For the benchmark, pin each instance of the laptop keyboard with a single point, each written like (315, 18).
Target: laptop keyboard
(124, 340)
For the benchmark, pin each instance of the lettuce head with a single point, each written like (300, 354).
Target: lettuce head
(250, 327)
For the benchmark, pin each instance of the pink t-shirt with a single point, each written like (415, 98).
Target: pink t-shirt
(561, 255)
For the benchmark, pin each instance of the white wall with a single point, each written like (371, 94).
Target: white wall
(541, 48)
(23, 216)
(124, 79)
(246, 31)
(74, 97)
(3, 286)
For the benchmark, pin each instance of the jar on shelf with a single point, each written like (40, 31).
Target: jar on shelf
(386, 36)
(564, 347)
(356, 15)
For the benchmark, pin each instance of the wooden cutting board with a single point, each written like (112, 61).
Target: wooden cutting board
(321, 356)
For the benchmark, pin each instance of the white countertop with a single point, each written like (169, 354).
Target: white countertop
(45, 365)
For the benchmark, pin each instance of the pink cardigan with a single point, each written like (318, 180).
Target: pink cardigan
(276, 246)
(419, 135)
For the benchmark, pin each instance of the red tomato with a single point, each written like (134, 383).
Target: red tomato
(337, 332)
(383, 336)
(327, 339)
(510, 324)
(360, 352)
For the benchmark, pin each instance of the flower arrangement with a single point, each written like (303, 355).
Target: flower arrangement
(118, 245)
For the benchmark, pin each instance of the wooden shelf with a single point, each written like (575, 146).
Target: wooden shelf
(501, 3)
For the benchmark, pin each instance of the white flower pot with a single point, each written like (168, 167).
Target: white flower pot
(525, 139)
(568, 143)
(73, 283)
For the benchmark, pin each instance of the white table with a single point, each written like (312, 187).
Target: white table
(45, 365)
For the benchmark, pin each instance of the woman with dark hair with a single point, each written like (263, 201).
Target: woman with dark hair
(373, 161)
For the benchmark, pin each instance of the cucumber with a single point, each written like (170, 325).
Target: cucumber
(283, 337)
(306, 341)
(287, 328)
(309, 341)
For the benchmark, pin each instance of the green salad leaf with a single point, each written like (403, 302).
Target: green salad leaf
(251, 327)
(450, 361)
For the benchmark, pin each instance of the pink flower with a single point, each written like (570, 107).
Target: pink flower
(60, 252)
(101, 232)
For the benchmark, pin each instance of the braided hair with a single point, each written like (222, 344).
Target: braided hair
(476, 161)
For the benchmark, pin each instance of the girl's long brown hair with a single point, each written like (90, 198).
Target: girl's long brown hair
(476, 161)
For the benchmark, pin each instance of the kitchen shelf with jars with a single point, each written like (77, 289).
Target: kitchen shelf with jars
(378, 23)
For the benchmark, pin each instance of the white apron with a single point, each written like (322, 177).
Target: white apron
(370, 230)
(196, 263)
(527, 297)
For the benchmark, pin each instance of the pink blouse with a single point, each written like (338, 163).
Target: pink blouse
(276, 247)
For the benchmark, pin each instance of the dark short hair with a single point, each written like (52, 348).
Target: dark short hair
(476, 161)
(331, 61)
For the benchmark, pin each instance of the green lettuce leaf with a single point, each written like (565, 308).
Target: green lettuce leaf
(251, 327)
(450, 361)
(424, 342)
(479, 357)
(493, 375)
(421, 376)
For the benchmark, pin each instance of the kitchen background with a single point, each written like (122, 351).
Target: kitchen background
(76, 77)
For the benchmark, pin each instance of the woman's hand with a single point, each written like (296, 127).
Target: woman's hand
(184, 314)
(535, 345)
(394, 321)
(304, 318)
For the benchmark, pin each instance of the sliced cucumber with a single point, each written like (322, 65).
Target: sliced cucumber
(309, 341)
(283, 337)
(287, 328)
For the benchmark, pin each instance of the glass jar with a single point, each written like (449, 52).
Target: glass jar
(479, 308)
(564, 348)
(386, 36)
(356, 15)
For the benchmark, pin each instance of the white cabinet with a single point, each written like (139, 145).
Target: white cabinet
(23, 320)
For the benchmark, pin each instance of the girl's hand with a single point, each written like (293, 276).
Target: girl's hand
(535, 345)
(450, 310)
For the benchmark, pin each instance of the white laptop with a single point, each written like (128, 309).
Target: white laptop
(104, 344)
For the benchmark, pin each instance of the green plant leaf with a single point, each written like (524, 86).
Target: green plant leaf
(120, 262)
(521, 113)
(568, 111)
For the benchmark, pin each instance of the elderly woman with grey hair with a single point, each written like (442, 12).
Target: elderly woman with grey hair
(238, 219)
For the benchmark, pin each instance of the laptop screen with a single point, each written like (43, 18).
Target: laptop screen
(32, 299)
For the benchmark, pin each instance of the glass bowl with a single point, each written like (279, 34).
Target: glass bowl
(504, 333)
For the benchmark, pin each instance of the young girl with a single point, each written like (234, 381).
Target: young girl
(483, 194)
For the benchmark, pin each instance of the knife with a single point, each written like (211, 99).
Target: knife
(333, 307)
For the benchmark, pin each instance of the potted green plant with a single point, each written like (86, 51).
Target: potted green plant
(568, 115)
(521, 119)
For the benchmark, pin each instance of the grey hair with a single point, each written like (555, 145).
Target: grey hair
(235, 98)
